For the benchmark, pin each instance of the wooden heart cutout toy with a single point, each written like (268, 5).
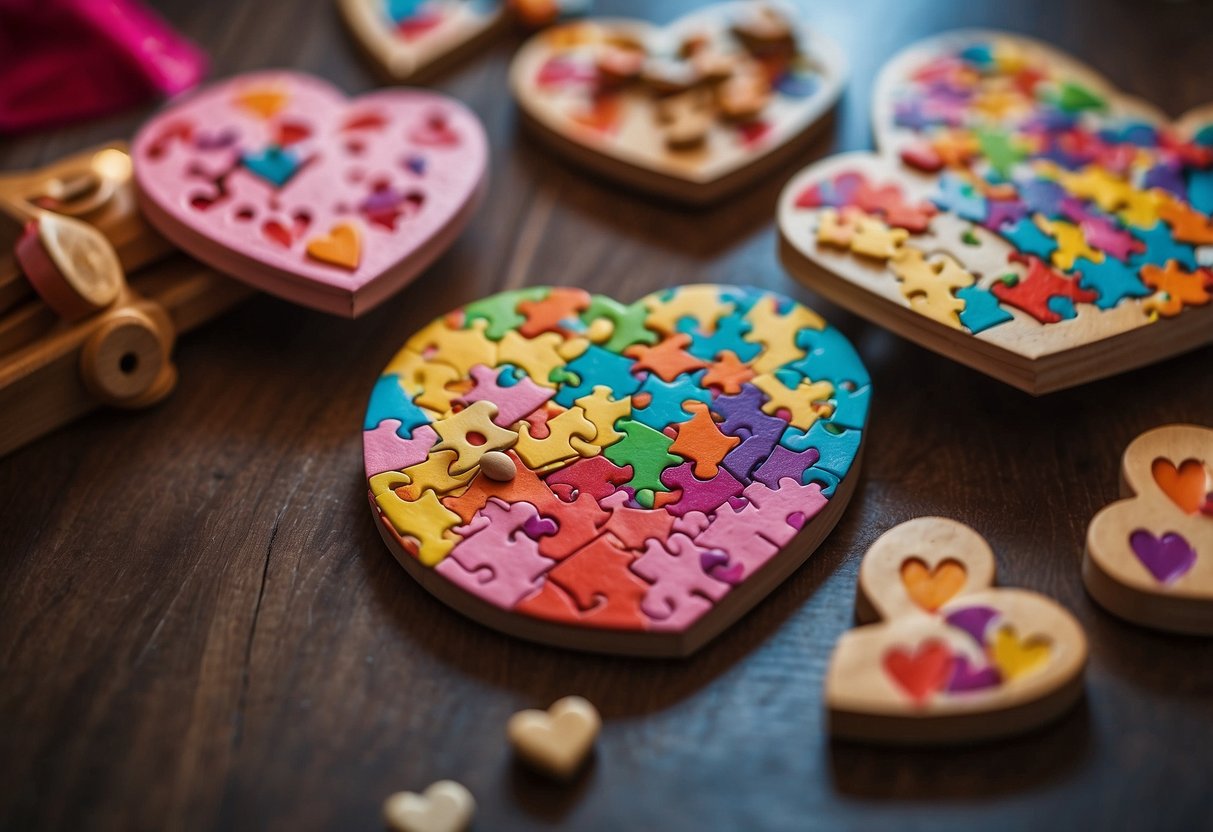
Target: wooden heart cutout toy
(1149, 556)
(281, 181)
(408, 39)
(949, 658)
(623, 478)
(446, 806)
(1020, 216)
(558, 740)
(691, 111)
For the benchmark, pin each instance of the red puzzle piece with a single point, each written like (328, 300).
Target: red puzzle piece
(594, 584)
(1033, 293)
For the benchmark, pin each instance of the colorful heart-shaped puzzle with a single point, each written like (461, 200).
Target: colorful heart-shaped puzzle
(1150, 556)
(942, 656)
(278, 179)
(693, 110)
(617, 477)
(1021, 216)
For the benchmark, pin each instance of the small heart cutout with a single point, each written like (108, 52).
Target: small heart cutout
(342, 246)
(446, 806)
(922, 672)
(556, 741)
(1015, 657)
(407, 37)
(1186, 485)
(930, 589)
(1168, 558)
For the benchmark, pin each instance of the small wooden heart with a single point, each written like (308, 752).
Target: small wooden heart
(1020, 215)
(446, 806)
(949, 659)
(1149, 557)
(693, 110)
(558, 740)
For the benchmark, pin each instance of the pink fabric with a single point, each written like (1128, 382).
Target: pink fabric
(65, 60)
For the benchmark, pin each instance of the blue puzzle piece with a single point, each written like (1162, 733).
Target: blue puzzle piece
(1044, 197)
(960, 198)
(665, 407)
(389, 401)
(1112, 279)
(826, 479)
(728, 336)
(1063, 306)
(401, 10)
(797, 84)
(830, 357)
(979, 54)
(594, 367)
(981, 309)
(1026, 236)
(1161, 247)
(836, 445)
(850, 407)
(275, 164)
(1200, 190)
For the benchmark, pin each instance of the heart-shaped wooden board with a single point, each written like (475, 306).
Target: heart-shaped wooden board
(409, 39)
(624, 478)
(1020, 215)
(693, 110)
(950, 658)
(1150, 556)
(281, 181)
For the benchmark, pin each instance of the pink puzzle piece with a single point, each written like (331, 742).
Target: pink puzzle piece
(753, 533)
(384, 450)
(499, 558)
(681, 590)
(278, 179)
(514, 403)
(596, 476)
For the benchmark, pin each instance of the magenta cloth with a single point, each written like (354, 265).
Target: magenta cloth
(65, 60)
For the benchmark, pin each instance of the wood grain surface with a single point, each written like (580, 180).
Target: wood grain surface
(200, 628)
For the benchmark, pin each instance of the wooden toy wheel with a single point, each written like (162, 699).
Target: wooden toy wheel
(127, 361)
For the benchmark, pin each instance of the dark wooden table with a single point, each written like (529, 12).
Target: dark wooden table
(200, 628)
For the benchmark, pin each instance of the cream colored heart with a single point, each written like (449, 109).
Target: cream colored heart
(556, 741)
(446, 806)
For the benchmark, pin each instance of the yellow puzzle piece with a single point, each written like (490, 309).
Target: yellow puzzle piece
(803, 402)
(929, 285)
(434, 474)
(1071, 243)
(602, 412)
(702, 303)
(777, 332)
(540, 355)
(425, 380)
(471, 433)
(462, 349)
(425, 519)
(557, 446)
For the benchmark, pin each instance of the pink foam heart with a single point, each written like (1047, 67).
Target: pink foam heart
(330, 202)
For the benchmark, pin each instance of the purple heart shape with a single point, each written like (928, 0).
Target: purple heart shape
(968, 678)
(1168, 557)
(973, 620)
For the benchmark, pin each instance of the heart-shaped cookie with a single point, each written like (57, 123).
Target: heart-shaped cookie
(446, 806)
(691, 111)
(667, 462)
(558, 740)
(408, 39)
(1150, 556)
(1020, 216)
(984, 663)
(276, 178)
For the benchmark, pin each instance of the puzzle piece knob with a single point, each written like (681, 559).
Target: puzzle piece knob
(497, 466)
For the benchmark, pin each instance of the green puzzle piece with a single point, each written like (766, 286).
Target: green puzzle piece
(1075, 98)
(647, 451)
(501, 311)
(628, 321)
(1000, 150)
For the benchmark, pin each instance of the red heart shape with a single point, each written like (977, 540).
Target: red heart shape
(923, 672)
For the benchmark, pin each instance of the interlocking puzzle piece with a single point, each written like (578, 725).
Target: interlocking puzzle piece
(929, 285)
(728, 373)
(1106, 189)
(1071, 243)
(728, 337)
(890, 202)
(425, 380)
(1037, 292)
(434, 474)
(1187, 224)
(803, 403)
(666, 400)
(1176, 287)
(1111, 279)
(500, 558)
(596, 367)
(1004, 212)
(837, 228)
(461, 349)
(425, 519)
(783, 463)
(959, 197)
(390, 401)
(384, 450)
(578, 518)
(700, 306)
(837, 445)
(559, 312)
(873, 238)
(626, 324)
(744, 418)
(594, 584)
(596, 476)
(830, 357)
(777, 332)
(667, 359)
(633, 526)
(514, 401)
(471, 433)
(1141, 208)
(646, 450)
(981, 310)
(681, 590)
(701, 441)
(698, 494)
(603, 412)
(1161, 247)
(786, 507)
(1107, 237)
(1027, 238)
(557, 446)
(539, 357)
(500, 311)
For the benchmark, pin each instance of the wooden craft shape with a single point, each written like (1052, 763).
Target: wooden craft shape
(691, 111)
(1149, 557)
(281, 181)
(557, 741)
(446, 806)
(411, 39)
(942, 656)
(673, 459)
(116, 347)
(1020, 215)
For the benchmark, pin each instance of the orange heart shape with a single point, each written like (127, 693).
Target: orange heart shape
(340, 247)
(930, 589)
(1185, 485)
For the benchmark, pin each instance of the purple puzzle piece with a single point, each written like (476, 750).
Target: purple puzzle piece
(743, 417)
(786, 463)
(699, 495)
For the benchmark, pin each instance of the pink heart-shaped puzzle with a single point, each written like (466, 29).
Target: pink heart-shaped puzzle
(281, 181)
(1020, 216)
